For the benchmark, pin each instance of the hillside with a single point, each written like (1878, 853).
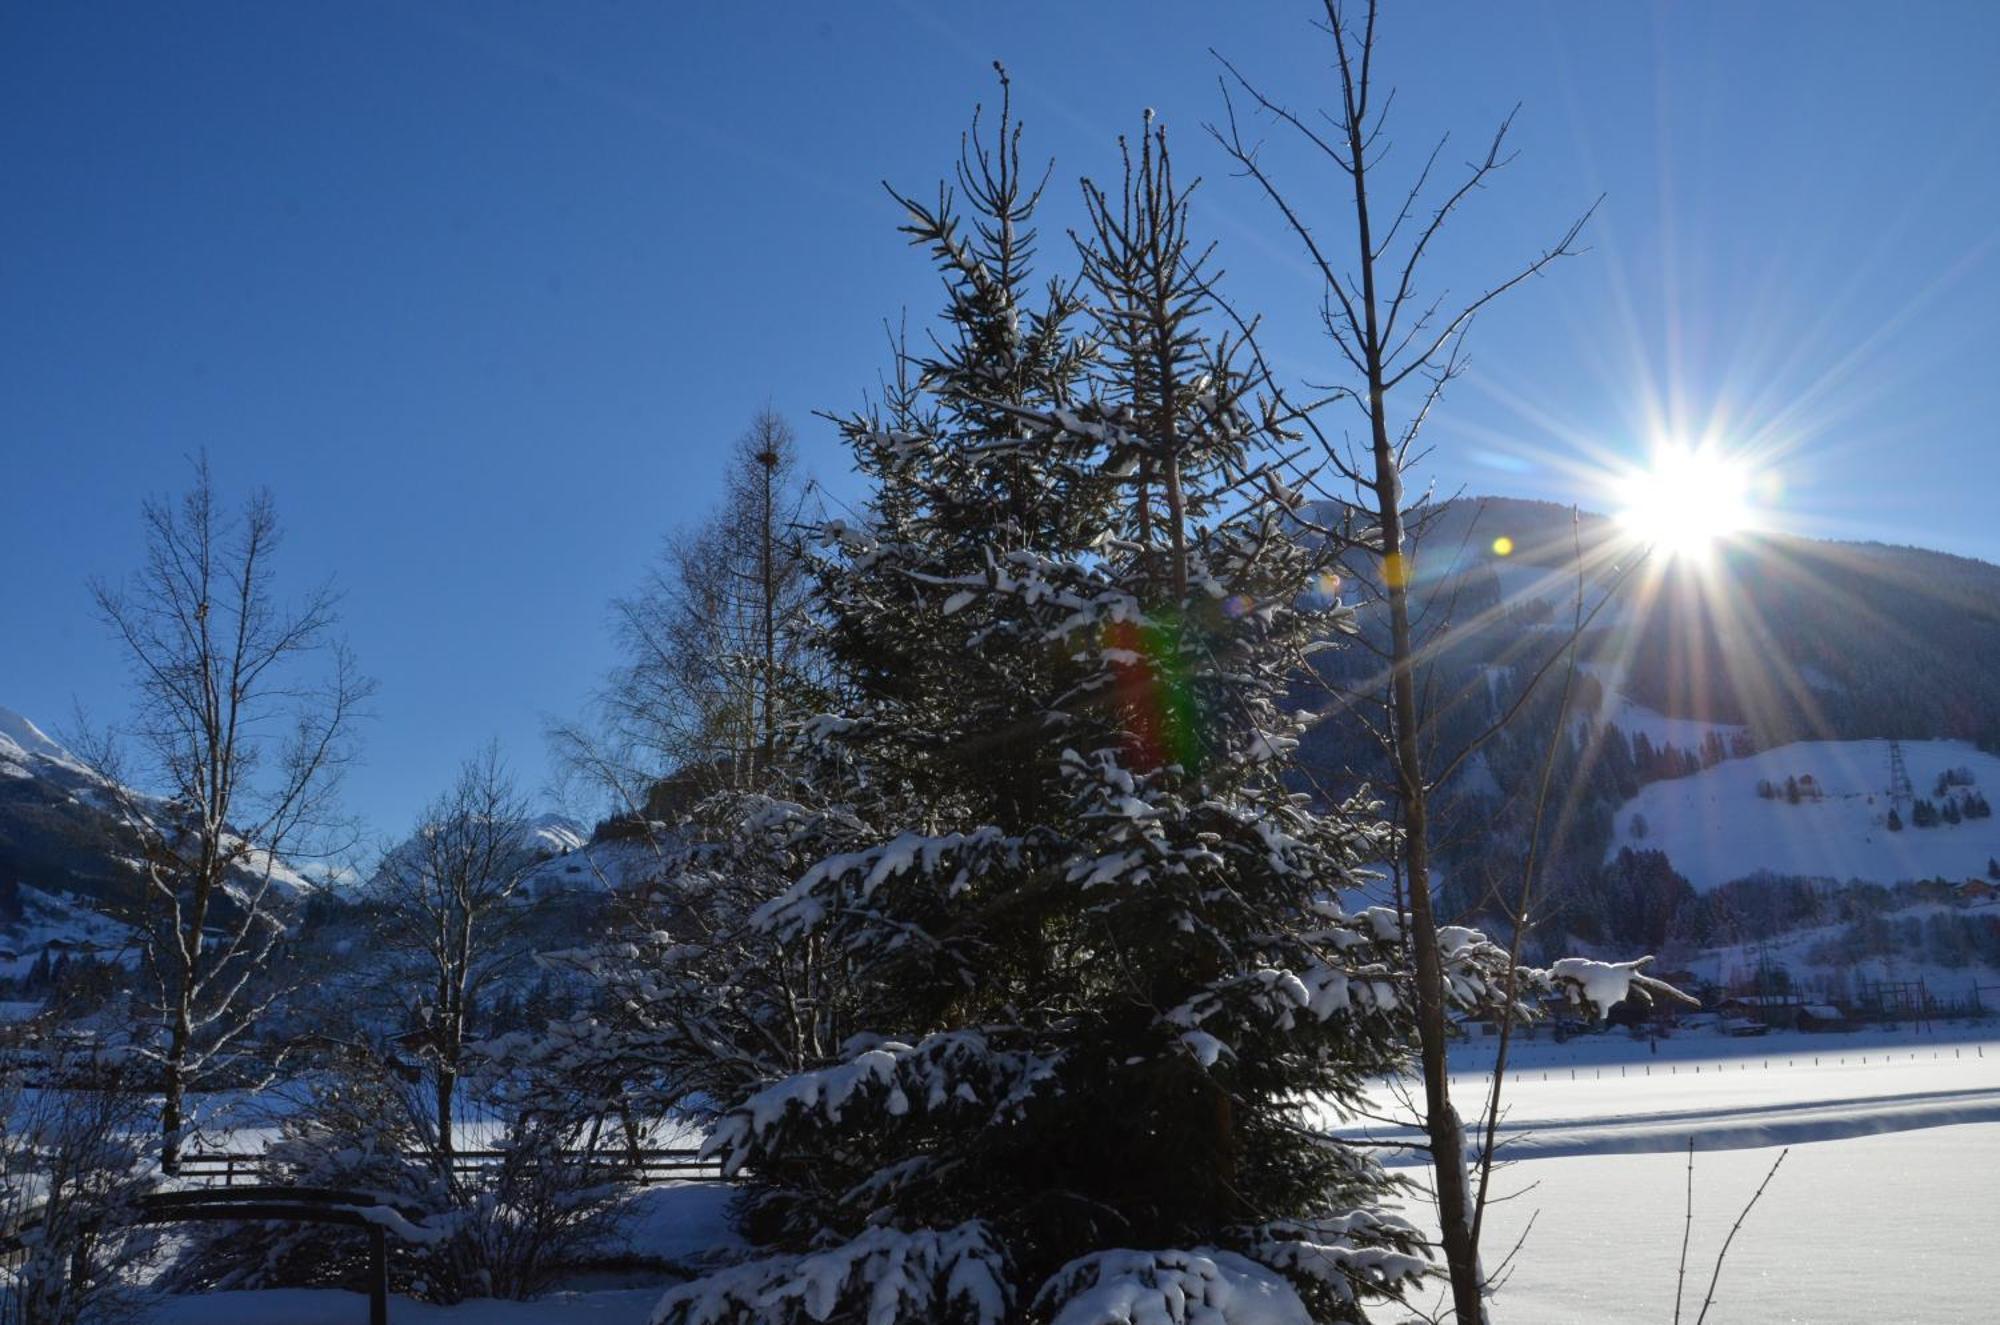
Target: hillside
(59, 837)
(54, 832)
(1782, 657)
(1714, 827)
(557, 855)
(1796, 638)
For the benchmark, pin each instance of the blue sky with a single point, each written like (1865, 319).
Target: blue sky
(482, 292)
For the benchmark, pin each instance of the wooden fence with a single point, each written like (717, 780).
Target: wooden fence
(227, 1168)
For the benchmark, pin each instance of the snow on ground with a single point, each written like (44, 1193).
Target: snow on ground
(55, 919)
(1609, 1094)
(1895, 1136)
(324, 1306)
(1715, 828)
(1867, 1231)
(679, 1222)
(1879, 1214)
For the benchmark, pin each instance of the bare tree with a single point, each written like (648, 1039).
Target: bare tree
(716, 640)
(1401, 349)
(450, 899)
(244, 718)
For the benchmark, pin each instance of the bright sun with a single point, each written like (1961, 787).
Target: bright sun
(1688, 500)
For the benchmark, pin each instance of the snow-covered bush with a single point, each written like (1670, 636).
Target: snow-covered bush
(507, 1226)
(539, 1210)
(357, 1130)
(694, 1004)
(72, 1167)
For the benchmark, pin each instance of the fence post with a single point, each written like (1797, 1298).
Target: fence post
(378, 1275)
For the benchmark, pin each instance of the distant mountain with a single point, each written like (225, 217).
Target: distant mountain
(1795, 638)
(1778, 656)
(555, 849)
(57, 830)
(55, 833)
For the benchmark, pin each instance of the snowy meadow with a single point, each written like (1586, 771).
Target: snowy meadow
(1592, 1194)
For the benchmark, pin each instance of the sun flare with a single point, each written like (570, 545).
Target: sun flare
(1687, 500)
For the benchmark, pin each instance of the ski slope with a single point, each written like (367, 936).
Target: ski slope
(1714, 827)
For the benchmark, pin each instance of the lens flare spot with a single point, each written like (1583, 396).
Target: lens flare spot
(1503, 546)
(1396, 570)
(1237, 605)
(1329, 584)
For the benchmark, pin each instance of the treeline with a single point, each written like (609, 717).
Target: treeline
(1644, 904)
(1925, 813)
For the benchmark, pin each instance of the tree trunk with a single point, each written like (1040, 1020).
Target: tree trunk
(770, 587)
(447, 1083)
(171, 1090)
(1441, 1121)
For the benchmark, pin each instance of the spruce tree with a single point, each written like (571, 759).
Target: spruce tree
(1107, 987)
(1100, 987)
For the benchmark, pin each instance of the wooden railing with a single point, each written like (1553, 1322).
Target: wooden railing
(306, 1205)
(228, 1168)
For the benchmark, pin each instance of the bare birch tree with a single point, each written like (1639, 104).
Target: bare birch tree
(244, 719)
(717, 646)
(1400, 348)
(450, 900)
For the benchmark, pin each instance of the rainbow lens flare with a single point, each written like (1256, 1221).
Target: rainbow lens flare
(1155, 694)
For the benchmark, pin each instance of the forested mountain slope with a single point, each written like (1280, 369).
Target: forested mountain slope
(1684, 667)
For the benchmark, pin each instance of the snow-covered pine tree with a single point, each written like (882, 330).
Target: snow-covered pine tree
(1091, 938)
(1091, 930)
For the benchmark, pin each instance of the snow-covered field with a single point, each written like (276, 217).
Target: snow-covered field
(1882, 1212)
(1865, 1231)
(1714, 827)
(1875, 1216)
(1608, 1094)
(55, 921)
(1879, 1230)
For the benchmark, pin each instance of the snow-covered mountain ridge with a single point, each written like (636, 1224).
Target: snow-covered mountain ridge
(1798, 638)
(545, 843)
(58, 831)
(24, 747)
